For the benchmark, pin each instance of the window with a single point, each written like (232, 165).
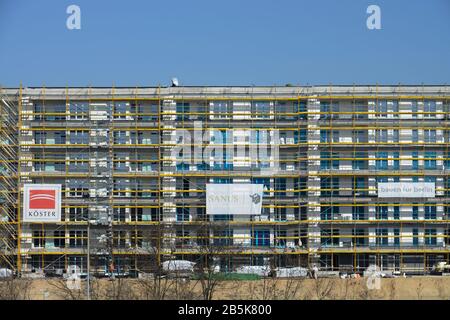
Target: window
(414, 109)
(381, 237)
(429, 108)
(301, 108)
(51, 111)
(80, 262)
(329, 160)
(78, 214)
(119, 214)
(182, 167)
(219, 109)
(447, 187)
(280, 186)
(429, 179)
(396, 161)
(241, 110)
(415, 237)
(78, 239)
(303, 136)
(78, 110)
(396, 237)
(40, 137)
(447, 160)
(280, 238)
(280, 214)
(301, 213)
(359, 237)
(261, 238)
(38, 109)
(121, 109)
(429, 136)
(415, 135)
(359, 163)
(324, 163)
(264, 181)
(430, 160)
(223, 217)
(329, 212)
(325, 136)
(120, 188)
(415, 161)
(185, 187)
(381, 212)
(38, 239)
(261, 109)
(136, 239)
(147, 111)
(382, 179)
(395, 109)
(49, 166)
(136, 214)
(430, 237)
(430, 212)
(137, 137)
(360, 110)
(183, 110)
(335, 136)
(329, 186)
(381, 135)
(329, 237)
(325, 109)
(223, 237)
(395, 135)
(119, 239)
(58, 240)
(382, 162)
(358, 213)
(59, 138)
(359, 185)
(120, 137)
(79, 163)
(182, 214)
(359, 136)
(381, 108)
(415, 212)
(396, 212)
(78, 137)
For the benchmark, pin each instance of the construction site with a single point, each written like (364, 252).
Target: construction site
(351, 177)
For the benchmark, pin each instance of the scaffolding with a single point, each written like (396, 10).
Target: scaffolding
(10, 220)
(112, 150)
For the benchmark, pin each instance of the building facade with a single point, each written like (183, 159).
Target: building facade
(134, 196)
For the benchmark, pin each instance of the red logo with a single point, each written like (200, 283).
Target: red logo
(42, 199)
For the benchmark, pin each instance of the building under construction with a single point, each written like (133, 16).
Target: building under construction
(132, 203)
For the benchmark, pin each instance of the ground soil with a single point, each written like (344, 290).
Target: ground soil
(324, 288)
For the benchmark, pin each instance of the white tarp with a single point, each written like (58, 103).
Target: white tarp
(406, 190)
(178, 265)
(259, 270)
(6, 273)
(41, 203)
(291, 272)
(236, 199)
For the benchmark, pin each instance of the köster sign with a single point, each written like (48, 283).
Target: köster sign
(41, 203)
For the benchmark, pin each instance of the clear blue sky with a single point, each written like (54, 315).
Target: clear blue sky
(223, 42)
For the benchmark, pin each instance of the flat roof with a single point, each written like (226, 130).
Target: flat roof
(193, 92)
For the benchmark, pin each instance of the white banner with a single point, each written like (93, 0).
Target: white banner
(238, 199)
(41, 203)
(406, 190)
